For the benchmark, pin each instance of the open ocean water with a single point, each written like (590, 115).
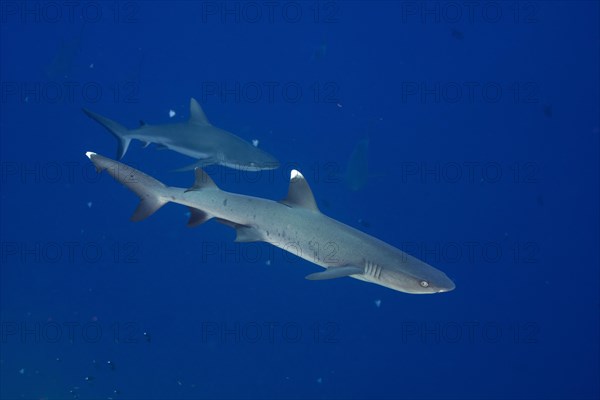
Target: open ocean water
(464, 133)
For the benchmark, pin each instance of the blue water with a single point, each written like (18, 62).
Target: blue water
(483, 129)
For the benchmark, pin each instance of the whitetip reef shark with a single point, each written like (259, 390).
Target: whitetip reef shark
(196, 138)
(293, 224)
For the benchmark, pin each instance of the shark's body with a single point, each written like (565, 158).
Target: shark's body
(196, 138)
(294, 224)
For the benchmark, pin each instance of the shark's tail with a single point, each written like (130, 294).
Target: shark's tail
(153, 193)
(118, 131)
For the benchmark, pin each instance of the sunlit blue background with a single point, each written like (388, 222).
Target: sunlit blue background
(483, 131)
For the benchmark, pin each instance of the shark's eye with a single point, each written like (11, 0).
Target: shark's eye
(424, 284)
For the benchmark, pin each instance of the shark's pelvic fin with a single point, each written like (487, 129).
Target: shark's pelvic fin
(335, 272)
(146, 208)
(197, 217)
(299, 193)
(244, 233)
(202, 181)
(197, 116)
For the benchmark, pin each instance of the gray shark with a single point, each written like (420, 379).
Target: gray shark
(196, 138)
(293, 224)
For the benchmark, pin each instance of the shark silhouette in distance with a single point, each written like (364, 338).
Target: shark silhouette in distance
(294, 224)
(196, 138)
(357, 170)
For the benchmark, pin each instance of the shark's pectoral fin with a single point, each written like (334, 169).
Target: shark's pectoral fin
(247, 234)
(145, 144)
(197, 217)
(198, 164)
(335, 272)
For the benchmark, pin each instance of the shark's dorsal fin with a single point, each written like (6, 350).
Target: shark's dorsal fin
(202, 181)
(299, 193)
(197, 116)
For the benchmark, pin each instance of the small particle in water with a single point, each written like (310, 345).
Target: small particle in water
(364, 223)
(179, 383)
(147, 337)
(22, 371)
(377, 303)
(255, 142)
(268, 263)
(89, 204)
(172, 113)
(320, 380)
(111, 365)
(457, 34)
(339, 105)
(89, 378)
(92, 66)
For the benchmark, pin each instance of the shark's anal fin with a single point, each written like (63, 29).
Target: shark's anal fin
(335, 272)
(247, 234)
(299, 193)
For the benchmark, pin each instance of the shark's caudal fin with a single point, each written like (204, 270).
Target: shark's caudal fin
(118, 131)
(147, 188)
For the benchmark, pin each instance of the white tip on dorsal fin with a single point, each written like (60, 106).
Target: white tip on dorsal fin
(197, 116)
(299, 193)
